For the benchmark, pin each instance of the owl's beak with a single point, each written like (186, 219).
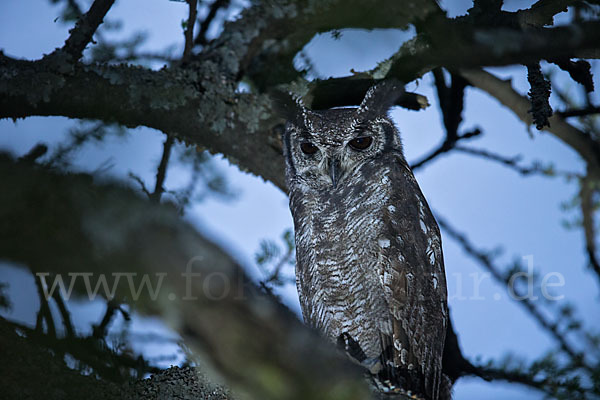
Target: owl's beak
(335, 170)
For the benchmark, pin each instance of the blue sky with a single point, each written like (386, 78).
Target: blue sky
(489, 202)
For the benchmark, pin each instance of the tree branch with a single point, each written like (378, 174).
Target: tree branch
(589, 227)
(189, 29)
(539, 96)
(65, 314)
(546, 385)
(459, 45)
(270, 65)
(205, 296)
(582, 112)
(85, 28)
(485, 260)
(446, 146)
(99, 331)
(451, 100)
(542, 12)
(511, 162)
(161, 172)
(212, 13)
(199, 104)
(503, 91)
(44, 313)
(206, 113)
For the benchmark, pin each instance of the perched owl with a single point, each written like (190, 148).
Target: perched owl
(369, 271)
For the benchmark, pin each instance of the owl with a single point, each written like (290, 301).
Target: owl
(369, 267)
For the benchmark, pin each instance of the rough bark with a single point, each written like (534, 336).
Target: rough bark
(199, 104)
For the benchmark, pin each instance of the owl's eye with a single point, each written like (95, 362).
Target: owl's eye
(308, 148)
(361, 143)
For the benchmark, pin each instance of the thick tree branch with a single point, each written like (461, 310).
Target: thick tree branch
(207, 113)
(542, 12)
(459, 45)
(107, 229)
(272, 64)
(199, 104)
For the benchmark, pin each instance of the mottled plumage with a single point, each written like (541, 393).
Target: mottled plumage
(369, 270)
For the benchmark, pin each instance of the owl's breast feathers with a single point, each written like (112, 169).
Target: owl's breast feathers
(371, 276)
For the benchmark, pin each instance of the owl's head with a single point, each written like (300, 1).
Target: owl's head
(323, 148)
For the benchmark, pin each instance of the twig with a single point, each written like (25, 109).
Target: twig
(589, 227)
(513, 163)
(78, 137)
(44, 312)
(212, 13)
(446, 146)
(85, 28)
(451, 98)
(582, 112)
(65, 314)
(99, 331)
(189, 30)
(274, 276)
(503, 91)
(36, 152)
(546, 385)
(485, 259)
(141, 183)
(580, 71)
(161, 172)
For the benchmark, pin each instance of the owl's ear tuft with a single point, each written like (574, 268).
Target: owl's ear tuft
(379, 98)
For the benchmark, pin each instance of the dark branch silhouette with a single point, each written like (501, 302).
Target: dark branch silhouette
(81, 34)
